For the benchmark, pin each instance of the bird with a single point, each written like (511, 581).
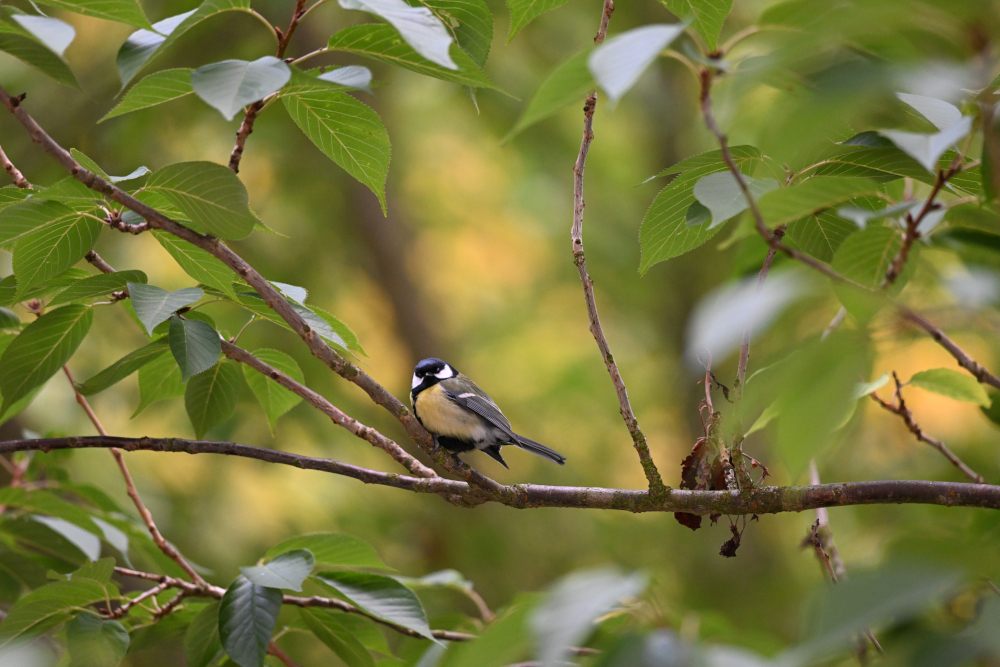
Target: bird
(462, 417)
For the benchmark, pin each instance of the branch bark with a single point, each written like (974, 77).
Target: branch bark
(656, 485)
(12, 171)
(762, 500)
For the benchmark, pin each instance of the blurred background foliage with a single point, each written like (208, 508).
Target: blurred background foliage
(473, 265)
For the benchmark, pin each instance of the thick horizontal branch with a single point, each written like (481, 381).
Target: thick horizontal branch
(762, 500)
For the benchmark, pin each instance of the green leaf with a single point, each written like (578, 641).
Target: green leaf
(470, 21)
(154, 305)
(288, 570)
(230, 85)
(417, 26)
(502, 643)
(9, 320)
(198, 263)
(21, 220)
(11, 194)
(383, 43)
(567, 84)
(40, 350)
(346, 131)
(928, 148)
(884, 164)
(121, 11)
(347, 336)
(201, 641)
(247, 617)
(707, 16)
(209, 194)
(821, 234)
(96, 642)
(155, 89)
(865, 257)
(195, 345)
(619, 62)
(337, 637)
(72, 193)
(810, 197)
(159, 379)
(566, 617)
(55, 34)
(124, 367)
(210, 398)
(765, 418)
(665, 233)
(333, 550)
(21, 44)
(96, 286)
(953, 384)
(43, 609)
(273, 398)
(254, 303)
(523, 12)
(723, 197)
(52, 248)
(84, 540)
(382, 597)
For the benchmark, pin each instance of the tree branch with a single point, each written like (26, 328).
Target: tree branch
(762, 500)
(268, 293)
(904, 412)
(12, 171)
(656, 485)
(978, 371)
(133, 492)
(190, 590)
(246, 127)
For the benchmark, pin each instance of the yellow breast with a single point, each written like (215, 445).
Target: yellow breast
(442, 417)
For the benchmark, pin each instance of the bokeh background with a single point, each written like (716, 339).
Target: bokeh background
(473, 265)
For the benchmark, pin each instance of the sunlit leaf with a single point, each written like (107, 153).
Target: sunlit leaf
(198, 263)
(940, 113)
(332, 550)
(98, 286)
(84, 540)
(124, 367)
(471, 21)
(55, 34)
(43, 609)
(288, 570)
(953, 384)
(418, 26)
(230, 85)
(122, 11)
(619, 62)
(382, 597)
(21, 44)
(821, 234)
(723, 197)
(209, 194)
(159, 379)
(273, 398)
(52, 248)
(247, 616)
(568, 84)
(352, 76)
(154, 305)
(155, 89)
(785, 205)
(210, 398)
(927, 148)
(523, 12)
(707, 16)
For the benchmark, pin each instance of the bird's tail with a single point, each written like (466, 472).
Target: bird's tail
(540, 450)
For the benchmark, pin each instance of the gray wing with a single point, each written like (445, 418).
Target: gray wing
(482, 406)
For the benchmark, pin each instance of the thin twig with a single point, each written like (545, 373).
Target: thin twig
(980, 372)
(246, 127)
(638, 438)
(133, 492)
(273, 649)
(12, 171)
(765, 500)
(899, 408)
(125, 608)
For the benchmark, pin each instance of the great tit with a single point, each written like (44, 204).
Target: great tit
(460, 415)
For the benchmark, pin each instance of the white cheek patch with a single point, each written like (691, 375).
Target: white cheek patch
(445, 373)
(414, 382)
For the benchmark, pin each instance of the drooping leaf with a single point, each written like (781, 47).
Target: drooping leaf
(55, 34)
(568, 84)
(418, 26)
(210, 398)
(97, 286)
(155, 89)
(8, 321)
(121, 11)
(523, 12)
(209, 194)
(115, 537)
(566, 617)
(707, 16)
(288, 570)
(337, 636)
(352, 76)
(124, 367)
(785, 205)
(154, 305)
(347, 131)
(927, 148)
(201, 641)
(862, 216)
(84, 540)
(159, 379)
(619, 62)
(723, 197)
(665, 232)
(471, 21)
(21, 44)
(382, 597)
(247, 616)
(40, 350)
(230, 85)
(381, 42)
(953, 384)
(254, 303)
(195, 345)
(332, 550)
(43, 609)
(96, 642)
(273, 398)
(940, 113)
(52, 248)
(198, 263)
